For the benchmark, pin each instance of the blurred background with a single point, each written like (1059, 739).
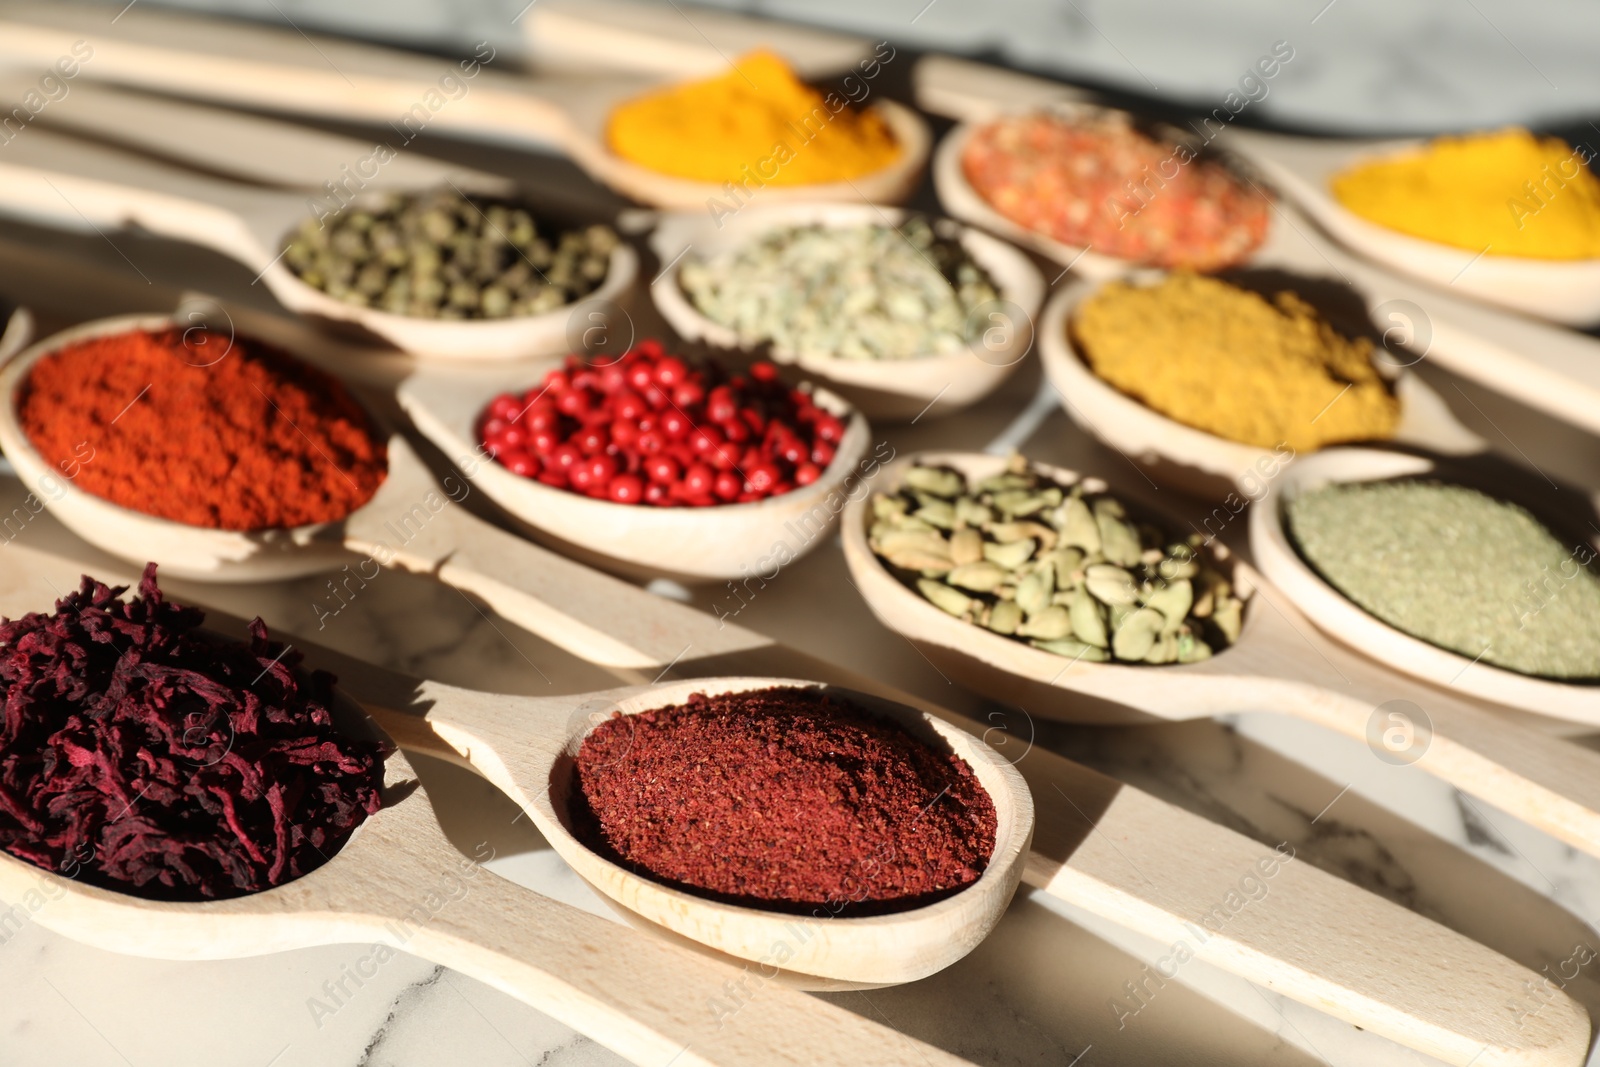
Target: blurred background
(1415, 66)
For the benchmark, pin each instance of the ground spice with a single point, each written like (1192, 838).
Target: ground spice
(1105, 185)
(783, 798)
(1502, 194)
(757, 122)
(1223, 359)
(138, 754)
(250, 440)
(1458, 569)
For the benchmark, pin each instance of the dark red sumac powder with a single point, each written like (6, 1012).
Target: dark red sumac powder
(139, 754)
(783, 798)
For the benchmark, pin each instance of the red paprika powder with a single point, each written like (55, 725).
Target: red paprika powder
(253, 440)
(787, 799)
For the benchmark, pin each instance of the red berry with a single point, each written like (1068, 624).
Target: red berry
(721, 406)
(581, 477)
(629, 405)
(657, 494)
(626, 489)
(624, 434)
(735, 431)
(698, 480)
(761, 478)
(806, 473)
(642, 375)
(650, 442)
(565, 458)
(670, 371)
(544, 441)
(592, 440)
(822, 454)
(662, 469)
(687, 394)
(520, 463)
(541, 415)
(493, 427)
(829, 428)
(552, 478)
(706, 440)
(505, 406)
(727, 486)
(764, 371)
(574, 402)
(674, 423)
(602, 469)
(556, 382)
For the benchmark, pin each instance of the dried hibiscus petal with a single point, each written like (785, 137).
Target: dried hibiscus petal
(140, 754)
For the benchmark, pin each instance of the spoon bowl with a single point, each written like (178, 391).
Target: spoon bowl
(64, 181)
(1544, 781)
(638, 539)
(964, 202)
(584, 139)
(1348, 623)
(882, 389)
(525, 746)
(1564, 291)
(1195, 461)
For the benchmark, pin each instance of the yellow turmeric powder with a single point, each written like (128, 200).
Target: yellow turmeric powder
(1225, 360)
(758, 123)
(1510, 192)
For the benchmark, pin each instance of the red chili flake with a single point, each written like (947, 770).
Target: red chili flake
(649, 428)
(1103, 184)
(787, 799)
(140, 754)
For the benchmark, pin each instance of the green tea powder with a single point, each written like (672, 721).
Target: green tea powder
(1457, 569)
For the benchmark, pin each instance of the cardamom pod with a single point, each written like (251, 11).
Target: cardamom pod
(1005, 617)
(1051, 624)
(1111, 584)
(1173, 601)
(1136, 635)
(966, 546)
(940, 483)
(944, 598)
(982, 577)
(1073, 649)
(1010, 556)
(1034, 590)
(1088, 619)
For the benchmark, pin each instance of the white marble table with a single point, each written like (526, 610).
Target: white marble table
(1040, 991)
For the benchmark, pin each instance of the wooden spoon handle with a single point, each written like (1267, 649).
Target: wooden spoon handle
(243, 146)
(646, 999)
(966, 91)
(48, 175)
(241, 63)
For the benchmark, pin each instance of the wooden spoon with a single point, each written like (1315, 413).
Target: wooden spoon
(50, 177)
(1195, 461)
(239, 145)
(16, 330)
(1102, 846)
(1564, 291)
(646, 540)
(1279, 664)
(398, 881)
(1345, 621)
(894, 390)
(1545, 367)
(259, 67)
